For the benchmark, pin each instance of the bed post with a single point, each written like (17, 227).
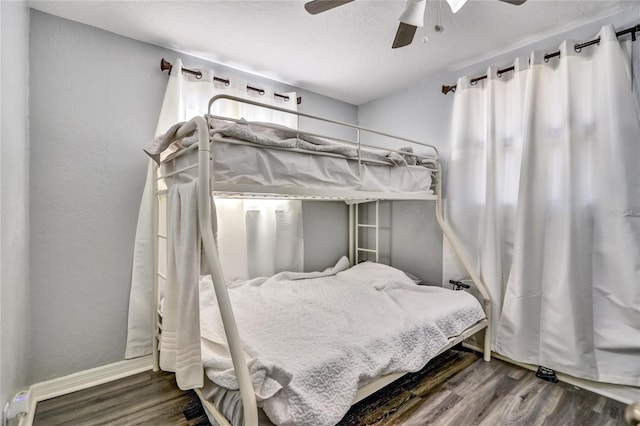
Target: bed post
(156, 292)
(455, 245)
(230, 327)
(352, 231)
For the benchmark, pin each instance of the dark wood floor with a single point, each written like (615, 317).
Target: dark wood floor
(144, 399)
(457, 389)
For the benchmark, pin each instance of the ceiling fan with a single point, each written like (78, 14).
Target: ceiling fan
(411, 18)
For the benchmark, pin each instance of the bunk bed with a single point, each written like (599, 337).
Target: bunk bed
(233, 158)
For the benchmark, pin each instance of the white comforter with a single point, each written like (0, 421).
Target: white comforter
(312, 339)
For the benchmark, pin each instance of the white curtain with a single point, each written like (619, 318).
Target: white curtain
(255, 238)
(267, 241)
(543, 188)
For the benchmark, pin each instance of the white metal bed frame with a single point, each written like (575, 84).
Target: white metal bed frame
(352, 198)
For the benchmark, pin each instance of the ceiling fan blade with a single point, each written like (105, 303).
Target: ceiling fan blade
(318, 6)
(514, 2)
(404, 35)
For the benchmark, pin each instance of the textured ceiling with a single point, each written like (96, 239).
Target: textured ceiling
(344, 53)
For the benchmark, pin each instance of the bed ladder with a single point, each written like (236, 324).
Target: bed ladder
(159, 235)
(359, 225)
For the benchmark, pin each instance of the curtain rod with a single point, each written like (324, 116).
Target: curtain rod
(578, 47)
(166, 65)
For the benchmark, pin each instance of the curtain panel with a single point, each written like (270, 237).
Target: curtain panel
(543, 184)
(255, 238)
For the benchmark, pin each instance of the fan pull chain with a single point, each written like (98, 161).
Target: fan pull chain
(439, 28)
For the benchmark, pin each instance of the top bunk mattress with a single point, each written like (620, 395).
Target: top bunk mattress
(245, 169)
(253, 158)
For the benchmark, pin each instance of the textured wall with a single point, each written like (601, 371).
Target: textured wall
(95, 101)
(326, 233)
(14, 149)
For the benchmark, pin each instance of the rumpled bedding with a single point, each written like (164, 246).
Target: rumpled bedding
(278, 137)
(311, 339)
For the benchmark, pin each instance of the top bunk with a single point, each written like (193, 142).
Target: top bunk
(266, 160)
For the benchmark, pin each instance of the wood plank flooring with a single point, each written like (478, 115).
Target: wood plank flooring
(143, 399)
(498, 393)
(457, 388)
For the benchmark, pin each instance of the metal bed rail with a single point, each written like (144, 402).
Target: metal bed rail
(457, 248)
(240, 367)
(358, 129)
(249, 403)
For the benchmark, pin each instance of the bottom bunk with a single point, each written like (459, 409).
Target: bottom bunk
(221, 404)
(316, 343)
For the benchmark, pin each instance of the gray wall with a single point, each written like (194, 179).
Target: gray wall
(326, 233)
(414, 233)
(14, 149)
(422, 112)
(95, 100)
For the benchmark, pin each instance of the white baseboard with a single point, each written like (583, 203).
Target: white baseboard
(625, 394)
(84, 380)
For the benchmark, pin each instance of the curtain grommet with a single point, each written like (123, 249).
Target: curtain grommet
(225, 81)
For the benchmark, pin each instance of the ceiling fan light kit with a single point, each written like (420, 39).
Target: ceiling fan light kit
(456, 5)
(413, 13)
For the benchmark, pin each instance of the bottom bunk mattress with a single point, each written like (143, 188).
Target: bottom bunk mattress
(312, 339)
